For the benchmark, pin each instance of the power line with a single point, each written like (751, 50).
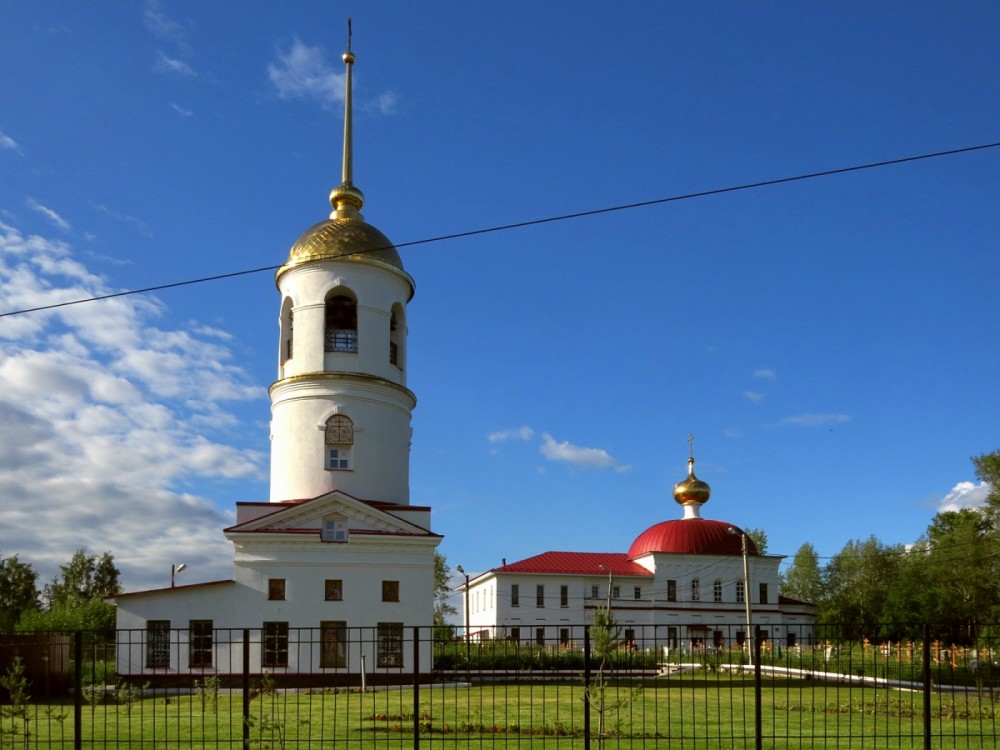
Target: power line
(538, 222)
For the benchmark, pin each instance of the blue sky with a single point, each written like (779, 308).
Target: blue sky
(832, 344)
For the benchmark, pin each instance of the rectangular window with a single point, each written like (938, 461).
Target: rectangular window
(334, 530)
(515, 595)
(594, 592)
(200, 647)
(638, 592)
(741, 638)
(276, 589)
(671, 591)
(158, 643)
(790, 640)
(333, 644)
(390, 644)
(763, 593)
(338, 459)
(717, 638)
(717, 590)
(275, 644)
(540, 636)
(563, 637)
(334, 590)
(515, 634)
(616, 592)
(564, 596)
(629, 637)
(695, 590)
(539, 595)
(390, 591)
(739, 591)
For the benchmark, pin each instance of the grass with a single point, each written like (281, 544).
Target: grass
(703, 710)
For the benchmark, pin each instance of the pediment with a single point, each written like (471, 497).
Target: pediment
(309, 516)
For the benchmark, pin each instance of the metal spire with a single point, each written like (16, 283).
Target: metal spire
(346, 199)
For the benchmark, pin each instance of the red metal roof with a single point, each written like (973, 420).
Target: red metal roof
(577, 563)
(693, 536)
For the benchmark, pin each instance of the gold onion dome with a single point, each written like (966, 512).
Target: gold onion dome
(692, 491)
(345, 235)
(344, 238)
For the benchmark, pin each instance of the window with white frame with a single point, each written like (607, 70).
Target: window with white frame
(695, 590)
(717, 590)
(334, 529)
(339, 438)
(740, 597)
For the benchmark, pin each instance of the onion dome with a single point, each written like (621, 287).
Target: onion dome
(691, 536)
(345, 235)
(692, 491)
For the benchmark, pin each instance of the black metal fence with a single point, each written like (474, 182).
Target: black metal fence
(387, 686)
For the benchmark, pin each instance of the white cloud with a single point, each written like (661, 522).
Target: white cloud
(180, 110)
(9, 144)
(731, 432)
(304, 73)
(167, 64)
(124, 218)
(48, 213)
(765, 373)
(754, 396)
(965, 495)
(385, 104)
(595, 458)
(107, 422)
(519, 433)
(814, 420)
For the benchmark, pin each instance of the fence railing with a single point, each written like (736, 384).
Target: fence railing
(387, 686)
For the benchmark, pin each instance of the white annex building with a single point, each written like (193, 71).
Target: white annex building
(339, 545)
(685, 583)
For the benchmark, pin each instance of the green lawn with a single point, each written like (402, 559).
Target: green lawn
(703, 711)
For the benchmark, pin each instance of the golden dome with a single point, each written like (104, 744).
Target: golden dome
(692, 491)
(346, 239)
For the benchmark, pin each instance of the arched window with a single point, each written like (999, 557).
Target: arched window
(339, 436)
(341, 334)
(397, 335)
(695, 590)
(286, 326)
(717, 590)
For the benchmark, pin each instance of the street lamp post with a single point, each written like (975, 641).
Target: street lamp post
(751, 639)
(461, 570)
(174, 570)
(746, 589)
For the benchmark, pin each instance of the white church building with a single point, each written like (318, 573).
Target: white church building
(338, 545)
(686, 583)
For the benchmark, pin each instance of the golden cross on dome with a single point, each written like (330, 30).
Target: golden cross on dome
(691, 444)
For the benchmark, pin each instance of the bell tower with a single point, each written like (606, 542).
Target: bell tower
(340, 408)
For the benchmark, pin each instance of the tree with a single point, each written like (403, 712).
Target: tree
(960, 570)
(442, 590)
(988, 471)
(85, 577)
(804, 580)
(759, 537)
(858, 580)
(18, 591)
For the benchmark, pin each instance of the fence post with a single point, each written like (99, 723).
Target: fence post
(758, 709)
(78, 690)
(416, 687)
(926, 670)
(586, 687)
(246, 689)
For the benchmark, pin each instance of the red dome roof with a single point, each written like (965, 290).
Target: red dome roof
(693, 536)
